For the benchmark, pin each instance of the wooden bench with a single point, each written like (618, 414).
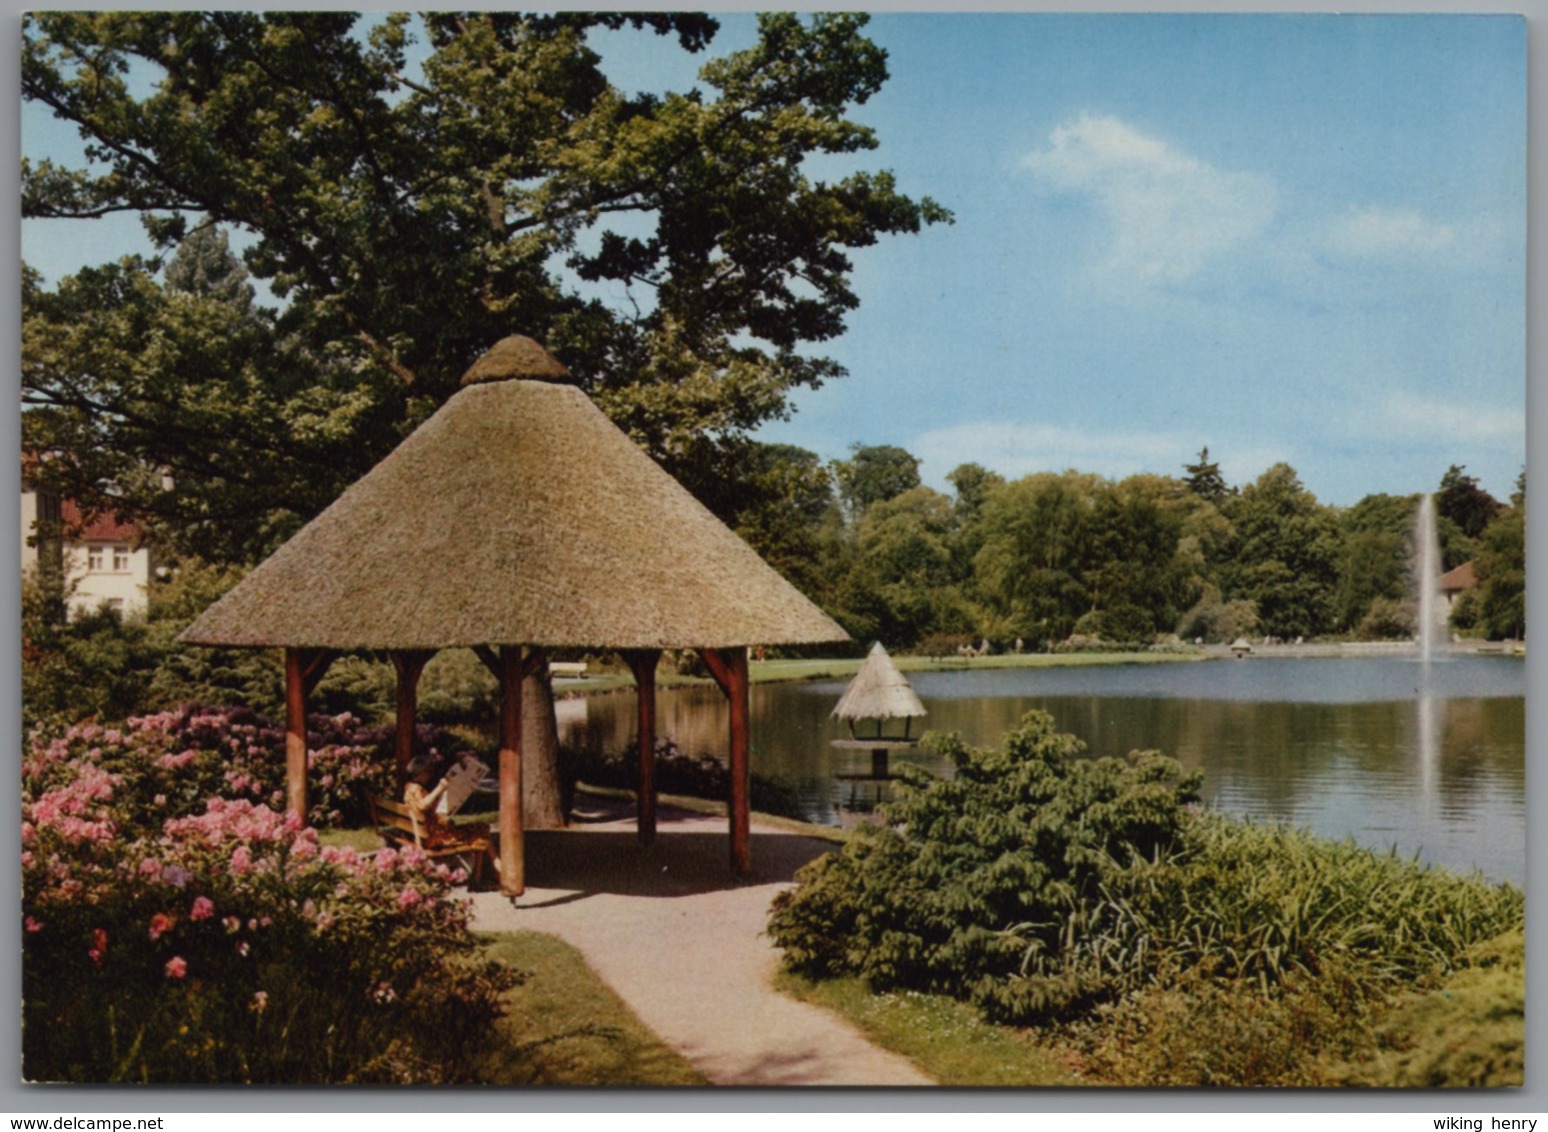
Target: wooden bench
(399, 825)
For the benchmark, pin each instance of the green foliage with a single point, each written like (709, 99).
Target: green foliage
(414, 203)
(1287, 556)
(874, 474)
(1034, 538)
(1461, 500)
(1387, 619)
(1500, 568)
(1039, 885)
(102, 665)
(1217, 621)
(97, 664)
(1129, 557)
(972, 884)
(1205, 479)
(1376, 562)
(900, 584)
(1123, 625)
(1468, 1032)
(786, 510)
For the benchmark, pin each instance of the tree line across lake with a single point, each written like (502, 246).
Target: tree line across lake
(1059, 557)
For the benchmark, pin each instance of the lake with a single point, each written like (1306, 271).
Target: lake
(1429, 759)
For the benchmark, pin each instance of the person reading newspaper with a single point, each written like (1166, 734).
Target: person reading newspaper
(434, 827)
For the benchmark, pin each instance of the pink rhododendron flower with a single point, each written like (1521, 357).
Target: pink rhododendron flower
(241, 861)
(408, 898)
(160, 924)
(260, 1001)
(176, 967)
(203, 908)
(33, 925)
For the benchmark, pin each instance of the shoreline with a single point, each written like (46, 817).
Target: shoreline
(843, 668)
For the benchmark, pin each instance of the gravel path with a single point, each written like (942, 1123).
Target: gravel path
(682, 943)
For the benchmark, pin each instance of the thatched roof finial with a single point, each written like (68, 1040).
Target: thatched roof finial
(517, 358)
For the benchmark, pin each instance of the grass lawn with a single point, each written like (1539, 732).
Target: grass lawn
(566, 1027)
(945, 1038)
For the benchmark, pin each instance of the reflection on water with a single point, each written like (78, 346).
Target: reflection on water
(1429, 759)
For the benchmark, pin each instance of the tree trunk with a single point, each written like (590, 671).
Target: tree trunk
(542, 792)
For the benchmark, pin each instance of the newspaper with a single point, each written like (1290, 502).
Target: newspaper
(461, 781)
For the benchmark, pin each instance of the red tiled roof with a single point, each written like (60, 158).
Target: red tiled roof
(102, 528)
(1461, 578)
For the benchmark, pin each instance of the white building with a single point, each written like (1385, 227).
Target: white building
(105, 561)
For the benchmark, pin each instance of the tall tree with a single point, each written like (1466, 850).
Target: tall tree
(410, 213)
(1464, 502)
(1031, 568)
(873, 474)
(1287, 558)
(1205, 479)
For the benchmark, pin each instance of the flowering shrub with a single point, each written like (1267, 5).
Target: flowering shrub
(228, 945)
(169, 763)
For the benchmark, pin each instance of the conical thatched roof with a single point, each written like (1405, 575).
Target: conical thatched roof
(518, 514)
(878, 691)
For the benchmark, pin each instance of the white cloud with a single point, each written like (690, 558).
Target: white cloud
(1169, 215)
(1378, 232)
(1017, 449)
(1422, 418)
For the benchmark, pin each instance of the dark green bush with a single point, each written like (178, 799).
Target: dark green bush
(973, 885)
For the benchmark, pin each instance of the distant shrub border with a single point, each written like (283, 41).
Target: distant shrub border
(1039, 884)
(220, 942)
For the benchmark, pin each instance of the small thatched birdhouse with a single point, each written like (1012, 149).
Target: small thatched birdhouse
(517, 518)
(878, 692)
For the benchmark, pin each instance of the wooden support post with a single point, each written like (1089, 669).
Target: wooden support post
(514, 669)
(729, 667)
(295, 733)
(643, 664)
(410, 665)
(303, 669)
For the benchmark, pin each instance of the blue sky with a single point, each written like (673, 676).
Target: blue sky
(1295, 238)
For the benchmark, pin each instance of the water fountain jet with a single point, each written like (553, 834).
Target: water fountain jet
(1426, 574)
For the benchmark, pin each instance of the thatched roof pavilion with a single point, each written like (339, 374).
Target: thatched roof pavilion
(517, 518)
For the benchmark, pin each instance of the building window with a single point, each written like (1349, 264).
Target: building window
(115, 606)
(121, 559)
(94, 559)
